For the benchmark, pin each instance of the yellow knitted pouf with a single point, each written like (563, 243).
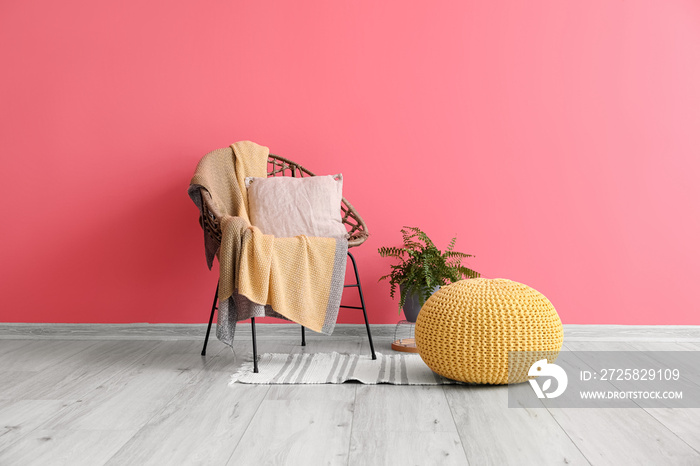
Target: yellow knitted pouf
(465, 330)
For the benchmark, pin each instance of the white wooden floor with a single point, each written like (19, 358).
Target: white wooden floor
(140, 402)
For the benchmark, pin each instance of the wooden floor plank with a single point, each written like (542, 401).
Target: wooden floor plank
(402, 408)
(8, 346)
(202, 424)
(329, 344)
(80, 373)
(381, 345)
(313, 422)
(406, 448)
(130, 398)
(19, 418)
(684, 422)
(9, 380)
(494, 434)
(296, 432)
(64, 447)
(631, 435)
(41, 354)
(623, 436)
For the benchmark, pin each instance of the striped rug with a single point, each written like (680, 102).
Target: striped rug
(315, 368)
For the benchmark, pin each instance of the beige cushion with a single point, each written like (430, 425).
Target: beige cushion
(285, 206)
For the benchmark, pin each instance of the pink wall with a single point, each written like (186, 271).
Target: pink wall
(559, 141)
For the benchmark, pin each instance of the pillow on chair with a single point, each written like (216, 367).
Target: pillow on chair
(285, 206)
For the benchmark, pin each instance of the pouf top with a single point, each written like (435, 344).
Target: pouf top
(492, 294)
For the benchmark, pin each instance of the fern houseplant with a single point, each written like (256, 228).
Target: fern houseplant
(422, 269)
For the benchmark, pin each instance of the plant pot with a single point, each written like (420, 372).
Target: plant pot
(412, 306)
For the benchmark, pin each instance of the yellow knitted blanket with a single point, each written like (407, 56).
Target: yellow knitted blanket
(299, 278)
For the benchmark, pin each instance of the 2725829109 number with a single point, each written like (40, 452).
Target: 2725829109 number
(639, 374)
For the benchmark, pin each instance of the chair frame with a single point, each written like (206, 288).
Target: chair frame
(357, 234)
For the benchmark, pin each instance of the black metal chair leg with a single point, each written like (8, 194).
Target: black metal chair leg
(362, 302)
(303, 336)
(211, 319)
(255, 346)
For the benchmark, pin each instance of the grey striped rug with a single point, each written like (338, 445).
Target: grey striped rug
(315, 368)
